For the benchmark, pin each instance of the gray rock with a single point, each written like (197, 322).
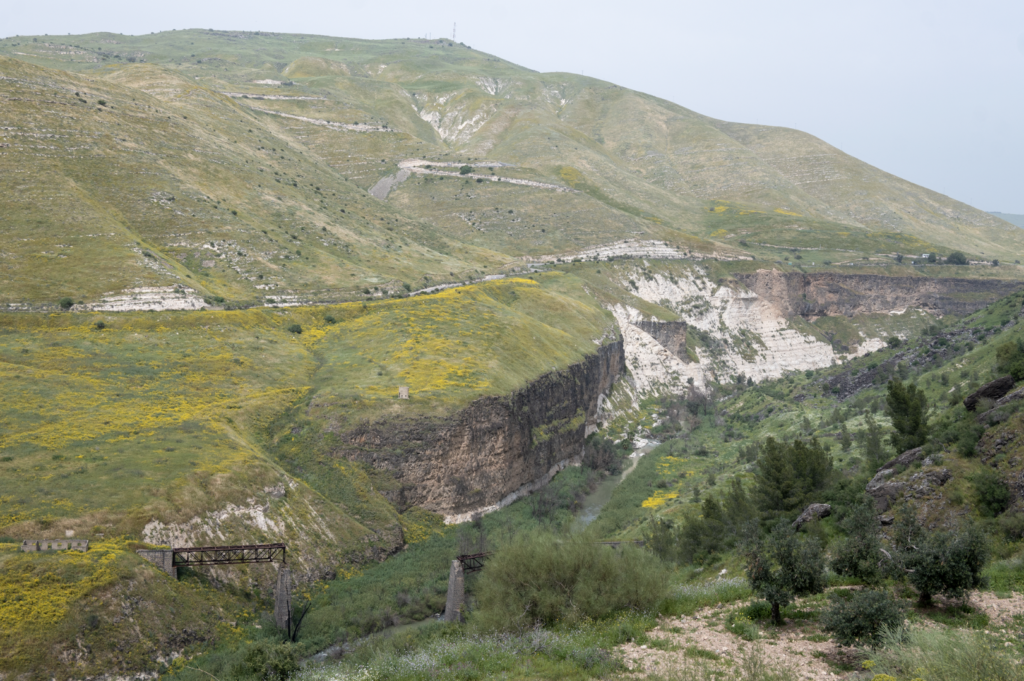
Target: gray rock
(905, 459)
(886, 520)
(1017, 394)
(885, 494)
(992, 390)
(812, 512)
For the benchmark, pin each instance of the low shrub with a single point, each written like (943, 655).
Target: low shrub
(295, 328)
(991, 493)
(862, 618)
(543, 579)
(265, 661)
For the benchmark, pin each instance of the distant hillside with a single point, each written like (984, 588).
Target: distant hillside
(259, 167)
(1010, 217)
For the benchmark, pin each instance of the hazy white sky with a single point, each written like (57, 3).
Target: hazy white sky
(930, 90)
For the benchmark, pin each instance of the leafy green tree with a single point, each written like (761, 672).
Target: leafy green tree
(956, 258)
(859, 555)
(946, 562)
(874, 449)
(465, 170)
(781, 567)
(66, 303)
(844, 439)
(932, 257)
(789, 474)
(907, 407)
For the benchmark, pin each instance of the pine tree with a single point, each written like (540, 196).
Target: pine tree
(907, 407)
(874, 450)
(788, 475)
(844, 439)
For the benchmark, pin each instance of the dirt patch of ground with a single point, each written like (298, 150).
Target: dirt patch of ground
(700, 646)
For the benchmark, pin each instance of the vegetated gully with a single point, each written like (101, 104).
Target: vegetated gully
(588, 512)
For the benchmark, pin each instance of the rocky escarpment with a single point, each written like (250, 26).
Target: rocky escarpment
(671, 336)
(828, 294)
(495, 450)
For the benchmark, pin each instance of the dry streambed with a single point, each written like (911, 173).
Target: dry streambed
(702, 646)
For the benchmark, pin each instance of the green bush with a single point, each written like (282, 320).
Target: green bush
(956, 258)
(295, 328)
(465, 170)
(991, 493)
(1010, 359)
(264, 661)
(543, 579)
(862, 618)
(66, 303)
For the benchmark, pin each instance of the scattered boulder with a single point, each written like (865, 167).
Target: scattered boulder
(886, 520)
(813, 512)
(993, 390)
(923, 484)
(276, 491)
(885, 493)
(1017, 394)
(902, 461)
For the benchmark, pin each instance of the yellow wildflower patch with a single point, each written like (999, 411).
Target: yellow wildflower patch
(658, 499)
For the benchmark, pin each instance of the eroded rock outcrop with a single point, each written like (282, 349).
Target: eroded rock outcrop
(494, 451)
(993, 390)
(830, 294)
(671, 336)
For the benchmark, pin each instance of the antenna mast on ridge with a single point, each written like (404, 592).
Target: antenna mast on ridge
(453, 31)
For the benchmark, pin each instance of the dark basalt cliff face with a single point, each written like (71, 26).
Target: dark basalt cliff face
(671, 336)
(829, 294)
(495, 449)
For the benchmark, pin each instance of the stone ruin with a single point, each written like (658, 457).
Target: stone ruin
(403, 392)
(31, 545)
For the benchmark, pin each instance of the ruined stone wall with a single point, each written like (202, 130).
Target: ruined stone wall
(495, 448)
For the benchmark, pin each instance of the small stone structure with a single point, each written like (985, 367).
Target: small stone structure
(55, 545)
(283, 598)
(456, 593)
(403, 392)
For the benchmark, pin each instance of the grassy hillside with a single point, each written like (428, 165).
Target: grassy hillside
(111, 420)
(238, 164)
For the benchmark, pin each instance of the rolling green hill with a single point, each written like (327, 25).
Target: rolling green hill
(238, 164)
(223, 253)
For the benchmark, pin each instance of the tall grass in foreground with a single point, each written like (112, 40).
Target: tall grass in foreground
(687, 599)
(944, 655)
(447, 652)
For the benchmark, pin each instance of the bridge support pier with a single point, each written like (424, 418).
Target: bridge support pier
(162, 558)
(456, 593)
(283, 598)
